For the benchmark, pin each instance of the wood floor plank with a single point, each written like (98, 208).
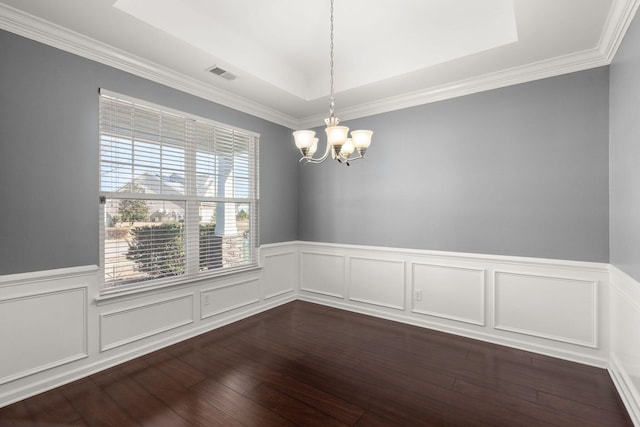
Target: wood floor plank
(52, 408)
(227, 375)
(239, 406)
(95, 406)
(307, 364)
(189, 405)
(292, 409)
(180, 371)
(137, 402)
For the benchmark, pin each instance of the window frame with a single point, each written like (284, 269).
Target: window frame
(190, 197)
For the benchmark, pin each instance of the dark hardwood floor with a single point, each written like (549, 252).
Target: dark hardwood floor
(309, 365)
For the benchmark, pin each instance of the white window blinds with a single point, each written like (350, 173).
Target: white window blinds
(180, 193)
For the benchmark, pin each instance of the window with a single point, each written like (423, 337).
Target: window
(179, 194)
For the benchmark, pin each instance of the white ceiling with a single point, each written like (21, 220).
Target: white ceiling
(388, 54)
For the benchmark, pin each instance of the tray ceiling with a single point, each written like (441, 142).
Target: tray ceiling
(388, 55)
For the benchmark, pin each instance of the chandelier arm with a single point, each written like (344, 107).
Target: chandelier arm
(318, 159)
(350, 159)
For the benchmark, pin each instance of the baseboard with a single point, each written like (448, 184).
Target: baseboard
(514, 301)
(513, 343)
(625, 390)
(624, 358)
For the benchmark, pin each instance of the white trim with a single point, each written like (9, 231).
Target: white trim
(572, 356)
(287, 253)
(20, 279)
(24, 24)
(58, 379)
(607, 277)
(461, 256)
(103, 316)
(32, 27)
(60, 362)
(230, 308)
(593, 343)
(117, 295)
(570, 63)
(628, 395)
(403, 264)
(629, 290)
(591, 350)
(481, 322)
(620, 16)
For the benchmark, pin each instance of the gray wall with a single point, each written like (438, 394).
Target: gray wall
(625, 154)
(521, 170)
(49, 155)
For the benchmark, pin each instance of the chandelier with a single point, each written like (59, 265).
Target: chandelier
(339, 145)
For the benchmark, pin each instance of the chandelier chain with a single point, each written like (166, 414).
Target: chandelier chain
(331, 100)
(339, 145)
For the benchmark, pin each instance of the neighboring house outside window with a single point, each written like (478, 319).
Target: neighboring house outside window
(179, 194)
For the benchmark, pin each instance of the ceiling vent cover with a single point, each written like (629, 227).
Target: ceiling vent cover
(222, 73)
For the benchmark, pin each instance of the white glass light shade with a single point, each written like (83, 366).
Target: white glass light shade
(336, 135)
(361, 138)
(313, 148)
(304, 138)
(347, 148)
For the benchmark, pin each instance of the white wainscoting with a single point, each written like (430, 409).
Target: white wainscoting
(229, 296)
(523, 305)
(55, 327)
(127, 325)
(454, 293)
(29, 345)
(624, 361)
(322, 273)
(553, 307)
(280, 272)
(377, 281)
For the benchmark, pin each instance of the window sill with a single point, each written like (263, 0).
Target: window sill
(109, 296)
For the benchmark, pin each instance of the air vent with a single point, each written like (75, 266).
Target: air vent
(222, 73)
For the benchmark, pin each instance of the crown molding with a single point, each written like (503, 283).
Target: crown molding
(618, 21)
(562, 65)
(34, 28)
(26, 25)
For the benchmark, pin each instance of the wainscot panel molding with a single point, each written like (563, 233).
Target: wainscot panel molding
(229, 297)
(280, 271)
(24, 336)
(387, 274)
(67, 332)
(523, 305)
(131, 324)
(454, 293)
(323, 273)
(553, 307)
(526, 303)
(624, 360)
